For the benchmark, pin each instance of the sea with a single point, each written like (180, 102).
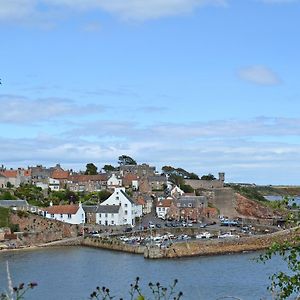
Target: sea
(73, 273)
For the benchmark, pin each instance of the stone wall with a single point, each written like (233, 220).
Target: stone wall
(36, 230)
(112, 244)
(213, 247)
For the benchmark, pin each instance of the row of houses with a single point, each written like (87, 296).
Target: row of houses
(140, 177)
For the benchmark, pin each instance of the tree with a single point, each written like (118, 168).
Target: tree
(91, 169)
(286, 284)
(208, 177)
(187, 188)
(109, 168)
(194, 176)
(126, 160)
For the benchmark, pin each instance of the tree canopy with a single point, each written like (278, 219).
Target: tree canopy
(109, 168)
(91, 169)
(126, 160)
(171, 171)
(208, 177)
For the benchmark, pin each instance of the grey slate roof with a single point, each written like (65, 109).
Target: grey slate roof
(157, 178)
(108, 209)
(90, 208)
(191, 201)
(13, 203)
(128, 198)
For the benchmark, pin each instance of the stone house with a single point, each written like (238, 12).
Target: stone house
(188, 208)
(157, 182)
(17, 177)
(90, 213)
(87, 183)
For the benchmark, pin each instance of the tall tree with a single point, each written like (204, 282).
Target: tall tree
(126, 160)
(91, 169)
(109, 168)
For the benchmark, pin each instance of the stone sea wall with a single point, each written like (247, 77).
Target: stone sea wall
(217, 247)
(112, 244)
(197, 247)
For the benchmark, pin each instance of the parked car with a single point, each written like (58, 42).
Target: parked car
(128, 229)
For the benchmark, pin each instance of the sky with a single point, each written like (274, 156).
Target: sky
(207, 85)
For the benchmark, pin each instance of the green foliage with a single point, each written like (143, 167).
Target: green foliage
(9, 185)
(6, 195)
(250, 192)
(157, 290)
(4, 217)
(91, 169)
(109, 168)
(33, 194)
(187, 188)
(126, 160)
(180, 172)
(283, 285)
(208, 177)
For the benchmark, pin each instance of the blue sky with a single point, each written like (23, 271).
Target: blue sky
(207, 85)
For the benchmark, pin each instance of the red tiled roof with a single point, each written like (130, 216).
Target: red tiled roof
(140, 201)
(9, 173)
(59, 174)
(62, 209)
(165, 203)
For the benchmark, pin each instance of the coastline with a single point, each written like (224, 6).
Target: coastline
(176, 250)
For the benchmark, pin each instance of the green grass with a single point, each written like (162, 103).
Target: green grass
(4, 217)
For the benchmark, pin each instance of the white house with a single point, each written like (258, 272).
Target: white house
(53, 184)
(114, 181)
(176, 191)
(129, 208)
(109, 215)
(72, 214)
(163, 207)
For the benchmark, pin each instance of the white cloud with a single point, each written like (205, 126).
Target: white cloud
(259, 75)
(22, 10)
(19, 110)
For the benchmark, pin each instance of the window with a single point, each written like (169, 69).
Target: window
(117, 198)
(159, 209)
(105, 215)
(126, 212)
(69, 216)
(125, 220)
(52, 215)
(112, 222)
(61, 215)
(126, 204)
(100, 222)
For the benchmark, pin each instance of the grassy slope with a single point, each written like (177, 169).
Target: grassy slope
(4, 217)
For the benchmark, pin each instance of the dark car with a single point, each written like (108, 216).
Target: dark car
(158, 225)
(128, 229)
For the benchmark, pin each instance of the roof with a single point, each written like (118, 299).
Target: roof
(90, 208)
(157, 178)
(108, 209)
(13, 203)
(62, 209)
(165, 203)
(9, 173)
(127, 197)
(86, 178)
(60, 174)
(191, 201)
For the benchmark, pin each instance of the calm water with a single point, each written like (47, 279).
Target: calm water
(272, 198)
(73, 273)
